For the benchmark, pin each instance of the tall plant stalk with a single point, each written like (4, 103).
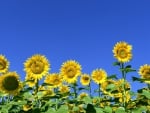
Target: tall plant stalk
(124, 83)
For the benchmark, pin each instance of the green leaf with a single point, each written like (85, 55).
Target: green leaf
(112, 76)
(81, 88)
(140, 109)
(62, 109)
(127, 70)
(146, 93)
(111, 87)
(28, 95)
(128, 66)
(87, 100)
(108, 109)
(5, 108)
(116, 64)
(19, 103)
(99, 110)
(137, 79)
(50, 110)
(120, 110)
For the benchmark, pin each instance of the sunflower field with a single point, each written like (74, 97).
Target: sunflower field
(70, 90)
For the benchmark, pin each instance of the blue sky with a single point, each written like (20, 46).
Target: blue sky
(83, 30)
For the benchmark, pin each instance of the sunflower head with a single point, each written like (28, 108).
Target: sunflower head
(10, 84)
(104, 102)
(82, 95)
(70, 70)
(120, 83)
(49, 92)
(85, 79)
(54, 79)
(122, 52)
(144, 71)
(27, 107)
(104, 86)
(64, 89)
(4, 64)
(37, 66)
(120, 95)
(99, 76)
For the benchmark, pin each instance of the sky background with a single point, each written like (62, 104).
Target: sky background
(82, 30)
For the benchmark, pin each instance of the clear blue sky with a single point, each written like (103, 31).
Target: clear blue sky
(83, 30)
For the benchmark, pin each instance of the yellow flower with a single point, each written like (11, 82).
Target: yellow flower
(30, 81)
(122, 52)
(48, 92)
(64, 89)
(85, 79)
(37, 66)
(82, 95)
(144, 71)
(99, 76)
(95, 101)
(119, 84)
(104, 102)
(4, 64)
(81, 108)
(26, 107)
(54, 79)
(70, 70)
(104, 86)
(120, 96)
(10, 84)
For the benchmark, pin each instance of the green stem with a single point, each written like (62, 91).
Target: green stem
(37, 87)
(56, 107)
(56, 100)
(148, 86)
(75, 90)
(99, 91)
(124, 83)
(90, 90)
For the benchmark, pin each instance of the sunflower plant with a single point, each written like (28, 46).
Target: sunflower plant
(71, 90)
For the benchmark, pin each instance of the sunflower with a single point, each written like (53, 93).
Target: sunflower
(144, 71)
(30, 81)
(122, 52)
(99, 76)
(104, 86)
(70, 70)
(120, 84)
(85, 79)
(54, 79)
(82, 95)
(64, 89)
(10, 84)
(120, 96)
(4, 64)
(37, 66)
(48, 92)
(27, 107)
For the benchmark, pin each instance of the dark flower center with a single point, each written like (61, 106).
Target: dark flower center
(37, 67)
(10, 83)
